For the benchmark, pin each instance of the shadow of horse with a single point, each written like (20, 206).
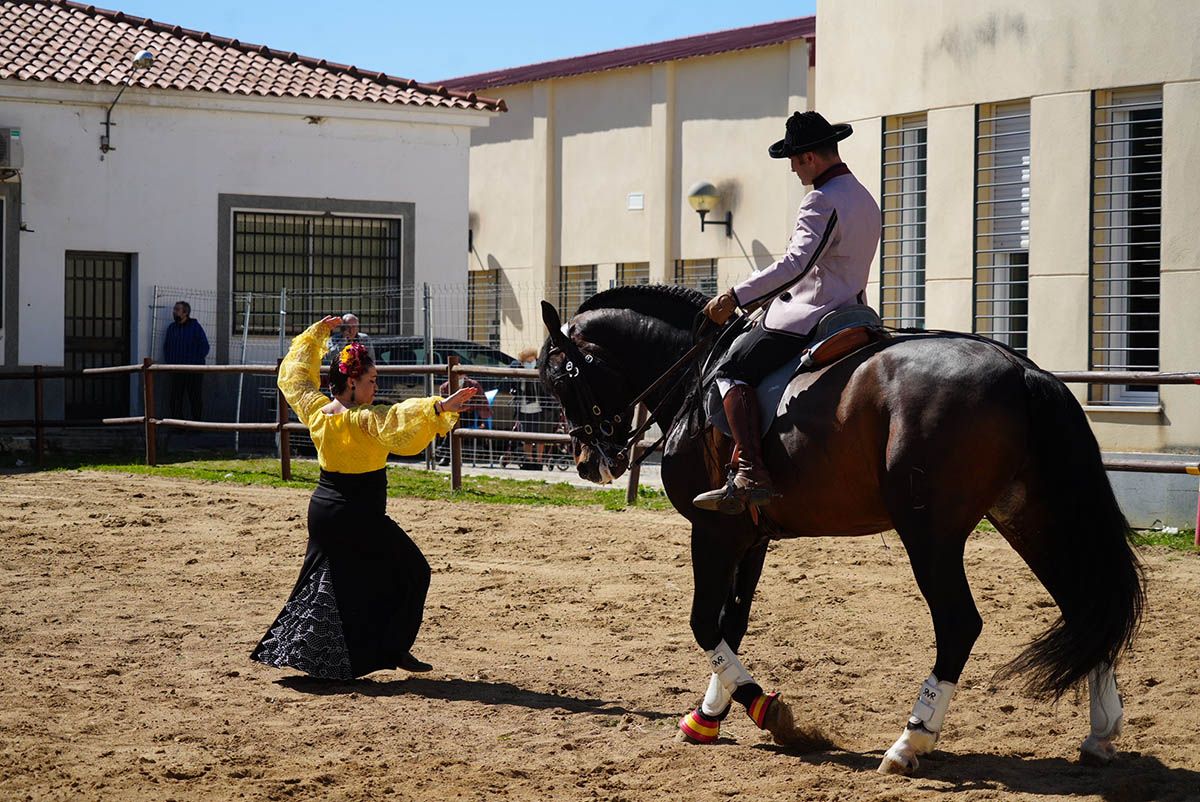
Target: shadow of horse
(1133, 778)
(463, 690)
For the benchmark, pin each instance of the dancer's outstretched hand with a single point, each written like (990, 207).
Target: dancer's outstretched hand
(458, 401)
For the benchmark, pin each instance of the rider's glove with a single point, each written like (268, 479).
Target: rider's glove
(720, 309)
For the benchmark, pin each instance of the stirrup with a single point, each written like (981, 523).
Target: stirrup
(733, 500)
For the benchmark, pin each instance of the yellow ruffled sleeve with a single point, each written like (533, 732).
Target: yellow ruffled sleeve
(300, 372)
(404, 428)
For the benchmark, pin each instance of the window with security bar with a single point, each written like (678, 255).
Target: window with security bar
(902, 244)
(483, 307)
(1002, 223)
(629, 273)
(699, 274)
(576, 283)
(1126, 239)
(318, 254)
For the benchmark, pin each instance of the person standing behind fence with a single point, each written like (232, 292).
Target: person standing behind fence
(185, 344)
(360, 598)
(348, 332)
(529, 412)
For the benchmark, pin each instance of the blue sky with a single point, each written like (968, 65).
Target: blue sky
(430, 41)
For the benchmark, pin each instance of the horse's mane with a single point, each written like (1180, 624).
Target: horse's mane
(673, 304)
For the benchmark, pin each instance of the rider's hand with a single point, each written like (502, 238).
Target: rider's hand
(721, 308)
(458, 401)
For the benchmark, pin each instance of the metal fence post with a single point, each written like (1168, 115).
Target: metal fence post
(242, 376)
(635, 473)
(150, 428)
(285, 437)
(427, 313)
(39, 433)
(282, 320)
(455, 442)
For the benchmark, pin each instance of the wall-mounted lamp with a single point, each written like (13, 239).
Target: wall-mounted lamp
(142, 61)
(704, 197)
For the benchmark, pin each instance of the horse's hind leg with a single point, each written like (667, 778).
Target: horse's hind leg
(1012, 517)
(937, 563)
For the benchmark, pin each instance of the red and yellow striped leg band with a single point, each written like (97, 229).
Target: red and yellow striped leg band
(759, 708)
(700, 727)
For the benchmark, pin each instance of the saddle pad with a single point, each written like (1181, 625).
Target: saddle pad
(771, 390)
(770, 393)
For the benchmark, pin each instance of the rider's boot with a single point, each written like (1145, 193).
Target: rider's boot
(751, 485)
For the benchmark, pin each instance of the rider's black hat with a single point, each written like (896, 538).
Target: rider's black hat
(805, 131)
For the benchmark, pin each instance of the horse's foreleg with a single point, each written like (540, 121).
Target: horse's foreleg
(720, 614)
(938, 567)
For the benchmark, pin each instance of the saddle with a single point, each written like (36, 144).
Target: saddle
(839, 334)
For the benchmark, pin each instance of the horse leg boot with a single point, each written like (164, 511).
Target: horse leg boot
(751, 485)
(1106, 715)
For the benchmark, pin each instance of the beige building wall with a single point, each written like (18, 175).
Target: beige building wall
(552, 179)
(944, 58)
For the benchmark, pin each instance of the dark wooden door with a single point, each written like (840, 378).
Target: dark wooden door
(97, 332)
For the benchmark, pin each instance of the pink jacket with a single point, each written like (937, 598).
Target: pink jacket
(828, 258)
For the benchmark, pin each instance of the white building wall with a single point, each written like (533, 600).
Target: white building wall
(156, 194)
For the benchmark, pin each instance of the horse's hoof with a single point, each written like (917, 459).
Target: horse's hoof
(697, 728)
(898, 763)
(1097, 751)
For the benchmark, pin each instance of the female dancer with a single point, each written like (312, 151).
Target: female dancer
(358, 603)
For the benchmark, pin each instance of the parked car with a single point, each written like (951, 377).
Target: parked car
(411, 351)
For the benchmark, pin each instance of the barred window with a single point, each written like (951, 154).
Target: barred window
(633, 273)
(483, 307)
(1002, 223)
(699, 274)
(576, 283)
(1126, 239)
(315, 254)
(902, 247)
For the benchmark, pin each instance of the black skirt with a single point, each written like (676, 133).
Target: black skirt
(360, 598)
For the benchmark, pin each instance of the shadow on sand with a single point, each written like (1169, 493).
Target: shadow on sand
(463, 690)
(1134, 777)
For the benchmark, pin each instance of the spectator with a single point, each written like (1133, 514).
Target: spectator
(477, 414)
(529, 416)
(185, 344)
(348, 332)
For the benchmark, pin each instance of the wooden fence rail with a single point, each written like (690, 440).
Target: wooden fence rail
(453, 370)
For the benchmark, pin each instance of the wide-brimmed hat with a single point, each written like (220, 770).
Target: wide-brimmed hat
(805, 131)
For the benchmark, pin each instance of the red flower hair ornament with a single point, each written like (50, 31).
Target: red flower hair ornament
(350, 361)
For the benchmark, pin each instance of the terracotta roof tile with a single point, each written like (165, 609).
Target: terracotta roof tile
(68, 42)
(771, 33)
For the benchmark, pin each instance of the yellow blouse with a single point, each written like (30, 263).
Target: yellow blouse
(359, 439)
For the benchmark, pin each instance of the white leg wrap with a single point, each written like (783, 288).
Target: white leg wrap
(716, 699)
(1106, 711)
(728, 668)
(725, 385)
(924, 726)
(932, 703)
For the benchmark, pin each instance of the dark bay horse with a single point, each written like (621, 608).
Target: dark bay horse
(925, 434)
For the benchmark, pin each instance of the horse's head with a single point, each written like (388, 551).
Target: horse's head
(590, 384)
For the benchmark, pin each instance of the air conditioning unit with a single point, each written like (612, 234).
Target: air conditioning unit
(10, 149)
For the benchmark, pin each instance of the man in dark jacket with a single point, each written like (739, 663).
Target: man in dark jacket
(186, 344)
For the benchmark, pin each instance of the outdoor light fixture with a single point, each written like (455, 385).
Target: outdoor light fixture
(703, 197)
(142, 61)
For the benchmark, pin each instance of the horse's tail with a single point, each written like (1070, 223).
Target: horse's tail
(1086, 561)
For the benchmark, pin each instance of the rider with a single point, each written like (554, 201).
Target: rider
(826, 267)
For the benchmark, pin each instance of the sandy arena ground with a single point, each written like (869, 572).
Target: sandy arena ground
(129, 605)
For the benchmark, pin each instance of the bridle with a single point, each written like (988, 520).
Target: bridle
(573, 371)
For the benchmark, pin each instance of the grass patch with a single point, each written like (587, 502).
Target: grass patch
(1183, 540)
(402, 482)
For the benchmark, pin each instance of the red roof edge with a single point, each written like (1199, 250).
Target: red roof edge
(771, 33)
(263, 50)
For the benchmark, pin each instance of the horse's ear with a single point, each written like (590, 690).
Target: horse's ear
(553, 323)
